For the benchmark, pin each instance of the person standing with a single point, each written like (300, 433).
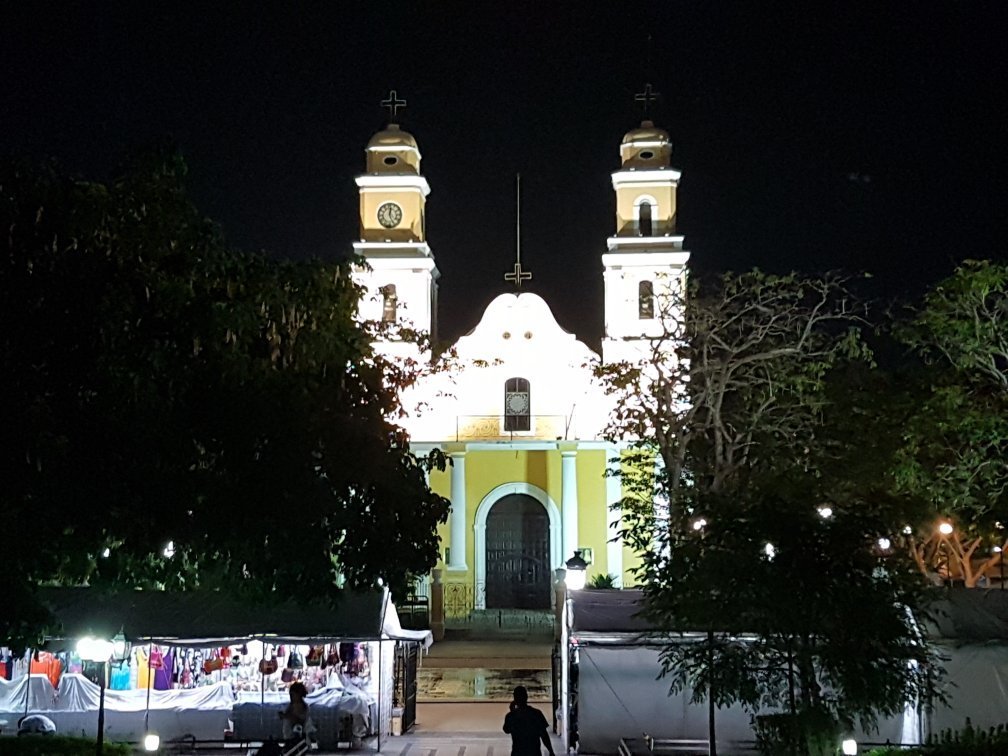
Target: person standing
(527, 726)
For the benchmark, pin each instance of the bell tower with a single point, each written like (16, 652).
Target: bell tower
(401, 285)
(645, 263)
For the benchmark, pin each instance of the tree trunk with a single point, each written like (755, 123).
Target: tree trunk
(712, 734)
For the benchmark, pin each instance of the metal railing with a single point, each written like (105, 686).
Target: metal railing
(507, 427)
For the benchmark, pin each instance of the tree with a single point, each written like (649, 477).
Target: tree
(182, 414)
(732, 400)
(955, 451)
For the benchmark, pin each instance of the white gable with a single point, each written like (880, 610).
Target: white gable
(517, 337)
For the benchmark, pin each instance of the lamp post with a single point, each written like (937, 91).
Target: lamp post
(576, 572)
(1000, 552)
(945, 529)
(98, 652)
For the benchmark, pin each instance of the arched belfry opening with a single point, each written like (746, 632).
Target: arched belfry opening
(390, 303)
(644, 225)
(518, 573)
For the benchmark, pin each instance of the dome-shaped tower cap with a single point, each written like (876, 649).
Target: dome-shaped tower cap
(394, 137)
(647, 132)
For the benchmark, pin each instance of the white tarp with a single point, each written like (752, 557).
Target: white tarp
(620, 695)
(202, 713)
(40, 692)
(256, 715)
(393, 629)
(979, 690)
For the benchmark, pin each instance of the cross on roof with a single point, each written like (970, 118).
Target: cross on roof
(647, 97)
(518, 275)
(393, 103)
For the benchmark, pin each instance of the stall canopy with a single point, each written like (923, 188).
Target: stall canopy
(209, 618)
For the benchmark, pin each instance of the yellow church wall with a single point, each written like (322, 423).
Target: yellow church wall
(592, 514)
(485, 470)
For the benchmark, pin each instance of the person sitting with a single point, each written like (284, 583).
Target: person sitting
(295, 716)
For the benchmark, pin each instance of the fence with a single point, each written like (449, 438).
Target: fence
(460, 602)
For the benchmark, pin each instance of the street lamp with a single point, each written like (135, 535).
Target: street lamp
(577, 569)
(945, 529)
(99, 652)
(825, 512)
(849, 747)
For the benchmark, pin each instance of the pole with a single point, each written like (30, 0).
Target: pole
(150, 649)
(99, 746)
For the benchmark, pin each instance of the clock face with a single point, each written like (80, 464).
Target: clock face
(389, 214)
(517, 403)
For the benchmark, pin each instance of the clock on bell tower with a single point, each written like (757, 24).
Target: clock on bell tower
(401, 282)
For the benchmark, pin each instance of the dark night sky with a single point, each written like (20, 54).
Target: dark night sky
(810, 135)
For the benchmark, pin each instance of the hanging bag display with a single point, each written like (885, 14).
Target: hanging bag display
(268, 666)
(315, 654)
(294, 660)
(213, 664)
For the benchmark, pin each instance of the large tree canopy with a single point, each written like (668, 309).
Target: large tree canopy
(760, 525)
(177, 413)
(955, 451)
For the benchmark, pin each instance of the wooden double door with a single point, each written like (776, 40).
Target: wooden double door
(518, 572)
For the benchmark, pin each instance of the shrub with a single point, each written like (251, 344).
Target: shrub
(966, 742)
(602, 581)
(814, 732)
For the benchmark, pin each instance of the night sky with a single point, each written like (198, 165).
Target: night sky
(810, 135)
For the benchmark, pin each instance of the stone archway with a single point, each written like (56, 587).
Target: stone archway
(529, 490)
(518, 571)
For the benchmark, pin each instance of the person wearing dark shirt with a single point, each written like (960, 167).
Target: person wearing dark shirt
(526, 726)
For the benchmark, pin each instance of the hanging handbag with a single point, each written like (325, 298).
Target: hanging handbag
(287, 675)
(213, 664)
(294, 660)
(314, 658)
(268, 666)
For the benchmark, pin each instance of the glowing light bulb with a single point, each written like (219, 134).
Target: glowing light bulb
(825, 512)
(884, 543)
(945, 528)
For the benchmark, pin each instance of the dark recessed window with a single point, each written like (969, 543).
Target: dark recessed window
(517, 405)
(645, 227)
(391, 160)
(646, 155)
(389, 303)
(645, 300)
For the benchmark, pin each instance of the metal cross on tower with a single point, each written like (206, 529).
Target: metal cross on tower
(393, 103)
(518, 274)
(647, 97)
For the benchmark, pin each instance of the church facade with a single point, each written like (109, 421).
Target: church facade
(517, 409)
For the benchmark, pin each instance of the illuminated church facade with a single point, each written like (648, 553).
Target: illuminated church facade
(520, 413)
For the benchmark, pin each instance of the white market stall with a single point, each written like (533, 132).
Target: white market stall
(610, 686)
(193, 670)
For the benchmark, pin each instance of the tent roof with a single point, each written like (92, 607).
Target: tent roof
(971, 615)
(195, 616)
(960, 615)
(608, 611)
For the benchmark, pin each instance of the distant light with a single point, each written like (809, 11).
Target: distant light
(94, 650)
(945, 528)
(169, 550)
(770, 551)
(884, 543)
(849, 747)
(907, 530)
(152, 741)
(996, 549)
(107, 552)
(999, 525)
(699, 524)
(825, 512)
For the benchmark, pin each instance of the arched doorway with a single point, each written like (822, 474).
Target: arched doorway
(518, 573)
